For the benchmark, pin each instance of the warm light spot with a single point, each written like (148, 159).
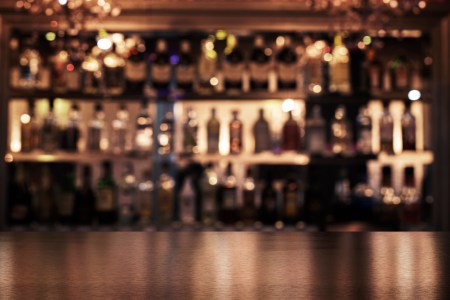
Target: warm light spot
(268, 51)
(70, 67)
(16, 145)
(393, 3)
(279, 225)
(104, 43)
(280, 41)
(317, 89)
(422, 4)
(320, 45)
(361, 45)
(50, 36)
(328, 57)
(117, 38)
(428, 61)
(214, 81)
(62, 2)
(25, 118)
(221, 35)
(9, 158)
(288, 105)
(414, 95)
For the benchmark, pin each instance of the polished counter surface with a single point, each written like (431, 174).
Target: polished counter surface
(224, 265)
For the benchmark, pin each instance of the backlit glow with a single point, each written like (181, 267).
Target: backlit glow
(414, 95)
(288, 105)
(104, 43)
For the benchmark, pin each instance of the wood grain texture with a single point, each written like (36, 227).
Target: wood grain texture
(224, 265)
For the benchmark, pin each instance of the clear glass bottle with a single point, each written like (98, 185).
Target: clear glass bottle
(248, 212)
(341, 132)
(190, 133)
(287, 66)
(227, 206)
(128, 196)
(188, 202)
(92, 73)
(207, 68)
(143, 140)
(314, 67)
(59, 61)
(209, 185)
(29, 129)
(408, 129)
(387, 131)
(261, 133)
(114, 72)
(160, 68)
(213, 133)
(259, 65)
(316, 134)
(185, 68)
(364, 131)
(236, 143)
(165, 135)
(233, 68)
(50, 133)
(71, 134)
(340, 68)
(165, 196)
(96, 130)
(73, 71)
(106, 205)
(136, 65)
(290, 134)
(30, 66)
(375, 71)
(145, 198)
(120, 131)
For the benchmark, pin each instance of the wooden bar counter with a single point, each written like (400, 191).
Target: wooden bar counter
(224, 265)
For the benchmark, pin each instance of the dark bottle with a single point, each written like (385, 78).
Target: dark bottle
(185, 68)
(45, 197)
(213, 133)
(374, 71)
(387, 131)
(106, 204)
(71, 133)
(400, 73)
(85, 199)
(145, 198)
(96, 130)
(128, 211)
(165, 135)
(363, 196)
(65, 199)
(209, 187)
(165, 196)
(408, 129)
(91, 67)
(59, 61)
(259, 66)
(235, 134)
(364, 131)
(228, 212)
(291, 134)
(20, 198)
(291, 200)
(268, 213)
(29, 130)
(248, 212)
(287, 65)
(342, 196)
(114, 72)
(50, 131)
(410, 197)
(160, 68)
(233, 69)
(261, 132)
(136, 66)
(190, 133)
(143, 138)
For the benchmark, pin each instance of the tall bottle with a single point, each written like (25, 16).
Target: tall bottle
(30, 66)
(291, 200)
(316, 134)
(342, 196)
(190, 133)
(375, 71)
(165, 135)
(387, 192)
(145, 198)
(20, 198)
(340, 68)
(185, 68)
(364, 131)
(73, 71)
(120, 131)
(29, 129)
(65, 199)
(410, 198)
(314, 67)
(363, 195)
(85, 199)
(96, 129)
(160, 68)
(59, 61)
(136, 65)
(50, 131)
(261, 133)
(15, 70)
(408, 129)
(209, 186)
(341, 132)
(399, 71)
(248, 211)
(143, 139)
(387, 131)
(91, 67)
(291, 134)
(45, 197)
(259, 66)
(114, 72)
(106, 205)
(207, 68)
(128, 196)
(228, 212)
(236, 142)
(188, 202)
(71, 134)
(268, 213)
(165, 196)
(213, 133)
(233, 67)
(287, 64)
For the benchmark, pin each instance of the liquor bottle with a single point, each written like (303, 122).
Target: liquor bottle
(410, 198)
(261, 132)
(59, 61)
(387, 131)
(363, 196)
(106, 204)
(185, 68)
(268, 213)
(160, 68)
(50, 131)
(96, 130)
(114, 72)
(213, 133)
(92, 73)
(341, 132)
(314, 67)
(209, 187)
(188, 202)
(190, 132)
(340, 67)
(235, 134)
(207, 68)
(364, 131)
(399, 73)
(259, 66)
(45, 196)
(228, 212)
(120, 131)
(145, 198)
(165, 135)
(143, 139)
(14, 62)
(233, 69)
(85, 199)
(65, 199)
(287, 64)
(29, 129)
(165, 196)
(387, 193)
(71, 134)
(248, 212)
(136, 65)
(73, 71)
(291, 200)
(30, 63)
(375, 71)
(408, 129)
(316, 132)
(20, 198)
(127, 195)
(342, 196)
(291, 134)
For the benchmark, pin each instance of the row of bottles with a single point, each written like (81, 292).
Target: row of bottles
(124, 65)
